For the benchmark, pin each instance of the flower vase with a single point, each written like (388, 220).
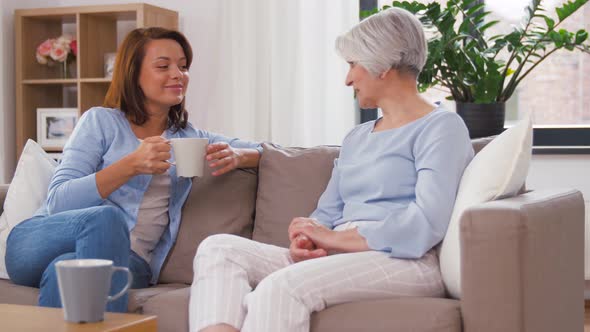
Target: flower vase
(65, 69)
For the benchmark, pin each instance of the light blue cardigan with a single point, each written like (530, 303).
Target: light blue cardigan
(102, 137)
(404, 179)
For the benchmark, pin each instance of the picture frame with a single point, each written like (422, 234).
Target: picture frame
(55, 126)
(109, 64)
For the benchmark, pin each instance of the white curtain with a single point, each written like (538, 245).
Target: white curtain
(267, 70)
(7, 94)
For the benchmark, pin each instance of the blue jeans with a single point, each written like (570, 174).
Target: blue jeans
(36, 244)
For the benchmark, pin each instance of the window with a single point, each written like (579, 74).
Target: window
(557, 92)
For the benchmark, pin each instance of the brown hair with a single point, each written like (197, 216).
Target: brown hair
(125, 93)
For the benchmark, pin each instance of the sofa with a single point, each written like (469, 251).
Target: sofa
(521, 257)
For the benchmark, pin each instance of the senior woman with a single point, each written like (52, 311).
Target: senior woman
(115, 194)
(387, 204)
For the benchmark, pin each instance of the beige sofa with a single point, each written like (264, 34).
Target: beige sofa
(522, 257)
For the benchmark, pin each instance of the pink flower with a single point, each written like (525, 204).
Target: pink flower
(56, 49)
(45, 47)
(64, 40)
(74, 47)
(58, 53)
(41, 59)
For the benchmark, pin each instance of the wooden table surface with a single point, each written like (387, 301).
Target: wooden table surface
(24, 318)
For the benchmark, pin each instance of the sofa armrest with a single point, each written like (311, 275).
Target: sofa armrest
(3, 192)
(523, 263)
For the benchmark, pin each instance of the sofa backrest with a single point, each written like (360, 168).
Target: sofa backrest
(480, 143)
(222, 204)
(288, 184)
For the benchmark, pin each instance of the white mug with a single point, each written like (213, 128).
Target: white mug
(84, 286)
(189, 154)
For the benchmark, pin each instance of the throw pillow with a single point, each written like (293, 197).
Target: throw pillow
(499, 170)
(26, 193)
(290, 183)
(216, 204)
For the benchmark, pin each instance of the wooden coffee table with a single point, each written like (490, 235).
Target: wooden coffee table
(24, 318)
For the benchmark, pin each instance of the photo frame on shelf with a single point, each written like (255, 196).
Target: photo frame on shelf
(55, 126)
(109, 64)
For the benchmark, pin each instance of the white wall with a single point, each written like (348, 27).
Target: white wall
(7, 90)
(560, 171)
(7, 138)
(565, 171)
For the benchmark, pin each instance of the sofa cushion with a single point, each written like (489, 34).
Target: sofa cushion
(393, 315)
(222, 204)
(15, 294)
(499, 170)
(138, 297)
(290, 182)
(480, 143)
(26, 193)
(171, 309)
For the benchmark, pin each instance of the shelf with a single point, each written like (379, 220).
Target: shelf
(51, 81)
(98, 30)
(35, 30)
(93, 94)
(96, 80)
(102, 31)
(66, 80)
(54, 150)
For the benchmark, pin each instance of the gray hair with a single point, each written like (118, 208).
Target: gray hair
(392, 38)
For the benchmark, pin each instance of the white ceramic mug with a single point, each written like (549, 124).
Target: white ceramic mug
(189, 154)
(84, 286)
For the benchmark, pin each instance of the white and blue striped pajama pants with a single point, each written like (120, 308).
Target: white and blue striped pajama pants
(228, 268)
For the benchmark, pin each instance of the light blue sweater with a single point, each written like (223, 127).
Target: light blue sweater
(405, 178)
(102, 137)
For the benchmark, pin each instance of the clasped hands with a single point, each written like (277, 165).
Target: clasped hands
(152, 155)
(309, 239)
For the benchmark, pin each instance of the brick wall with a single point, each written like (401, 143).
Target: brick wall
(558, 90)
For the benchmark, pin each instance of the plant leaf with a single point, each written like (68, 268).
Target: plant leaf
(568, 8)
(581, 36)
(557, 38)
(550, 23)
(489, 25)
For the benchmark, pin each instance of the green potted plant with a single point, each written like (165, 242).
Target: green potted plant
(480, 70)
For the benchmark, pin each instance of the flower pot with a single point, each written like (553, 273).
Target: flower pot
(482, 119)
(64, 74)
(68, 69)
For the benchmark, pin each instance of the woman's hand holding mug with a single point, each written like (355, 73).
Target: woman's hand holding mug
(151, 157)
